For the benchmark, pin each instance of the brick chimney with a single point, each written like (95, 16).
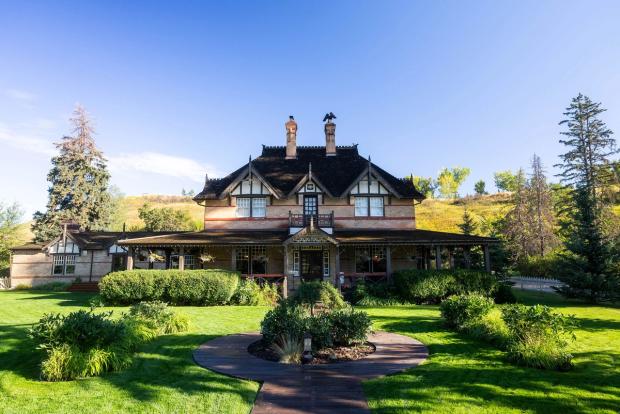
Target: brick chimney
(291, 138)
(330, 138)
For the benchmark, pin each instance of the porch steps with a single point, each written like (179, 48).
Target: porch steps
(84, 287)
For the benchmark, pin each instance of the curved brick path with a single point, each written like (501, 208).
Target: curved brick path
(329, 388)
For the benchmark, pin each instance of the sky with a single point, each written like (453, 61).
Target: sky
(181, 89)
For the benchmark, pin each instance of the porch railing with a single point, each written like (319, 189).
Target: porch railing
(303, 220)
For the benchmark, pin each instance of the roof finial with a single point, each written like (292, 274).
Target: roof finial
(309, 171)
(250, 166)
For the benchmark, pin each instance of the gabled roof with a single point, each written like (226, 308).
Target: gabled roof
(335, 173)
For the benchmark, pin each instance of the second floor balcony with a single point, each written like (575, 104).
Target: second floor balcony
(299, 221)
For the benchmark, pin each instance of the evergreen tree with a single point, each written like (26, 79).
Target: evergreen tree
(541, 209)
(480, 187)
(469, 225)
(78, 183)
(516, 224)
(589, 266)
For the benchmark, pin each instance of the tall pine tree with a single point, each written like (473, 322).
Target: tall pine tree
(585, 170)
(78, 183)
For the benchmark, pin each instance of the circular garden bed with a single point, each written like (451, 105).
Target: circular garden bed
(323, 356)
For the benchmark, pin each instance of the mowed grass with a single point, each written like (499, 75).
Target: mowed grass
(461, 376)
(163, 378)
(467, 376)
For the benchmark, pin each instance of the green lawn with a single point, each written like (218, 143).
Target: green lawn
(461, 376)
(163, 379)
(467, 376)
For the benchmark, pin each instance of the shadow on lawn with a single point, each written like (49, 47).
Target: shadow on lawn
(18, 353)
(61, 298)
(167, 362)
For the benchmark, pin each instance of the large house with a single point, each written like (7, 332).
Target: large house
(295, 213)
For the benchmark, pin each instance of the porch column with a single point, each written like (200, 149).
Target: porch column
(181, 258)
(388, 262)
(130, 258)
(451, 257)
(487, 258)
(285, 281)
(438, 257)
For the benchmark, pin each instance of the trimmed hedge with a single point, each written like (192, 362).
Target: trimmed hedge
(189, 287)
(431, 286)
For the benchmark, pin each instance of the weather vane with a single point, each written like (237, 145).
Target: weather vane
(329, 117)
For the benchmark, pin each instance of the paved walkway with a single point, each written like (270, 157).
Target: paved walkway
(328, 388)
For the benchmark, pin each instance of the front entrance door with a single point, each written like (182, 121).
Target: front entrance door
(311, 265)
(311, 208)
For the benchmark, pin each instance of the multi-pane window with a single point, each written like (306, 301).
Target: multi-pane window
(251, 207)
(376, 206)
(370, 259)
(251, 260)
(64, 264)
(296, 262)
(189, 261)
(244, 207)
(361, 206)
(369, 206)
(325, 262)
(259, 207)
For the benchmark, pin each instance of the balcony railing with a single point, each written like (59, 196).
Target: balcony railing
(303, 220)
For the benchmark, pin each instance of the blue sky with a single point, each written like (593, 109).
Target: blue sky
(180, 89)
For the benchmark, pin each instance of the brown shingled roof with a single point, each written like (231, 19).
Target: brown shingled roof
(337, 173)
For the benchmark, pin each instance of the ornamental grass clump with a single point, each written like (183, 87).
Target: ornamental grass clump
(289, 349)
(539, 337)
(85, 343)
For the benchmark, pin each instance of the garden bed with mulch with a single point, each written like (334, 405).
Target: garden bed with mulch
(325, 356)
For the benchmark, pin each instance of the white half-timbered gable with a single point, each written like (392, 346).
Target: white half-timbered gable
(250, 186)
(367, 187)
(311, 187)
(64, 247)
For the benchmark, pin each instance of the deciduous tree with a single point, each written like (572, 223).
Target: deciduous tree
(165, 219)
(10, 216)
(480, 187)
(449, 181)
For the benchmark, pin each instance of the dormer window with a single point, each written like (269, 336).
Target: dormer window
(369, 207)
(251, 207)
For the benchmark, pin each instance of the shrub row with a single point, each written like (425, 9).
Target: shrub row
(340, 327)
(533, 336)
(311, 293)
(85, 343)
(189, 287)
(431, 286)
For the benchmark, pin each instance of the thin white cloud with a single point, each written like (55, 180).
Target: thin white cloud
(26, 142)
(163, 164)
(24, 98)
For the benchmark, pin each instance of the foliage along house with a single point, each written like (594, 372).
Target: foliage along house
(295, 213)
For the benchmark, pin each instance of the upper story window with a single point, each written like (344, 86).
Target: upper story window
(369, 207)
(251, 207)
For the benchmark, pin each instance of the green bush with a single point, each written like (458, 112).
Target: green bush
(490, 328)
(339, 327)
(189, 287)
(375, 294)
(539, 337)
(349, 326)
(504, 294)
(52, 286)
(459, 311)
(311, 293)
(250, 293)
(549, 265)
(431, 286)
(286, 319)
(158, 316)
(81, 329)
(66, 362)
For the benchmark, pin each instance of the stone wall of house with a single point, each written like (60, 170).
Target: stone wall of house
(220, 214)
(34, 267)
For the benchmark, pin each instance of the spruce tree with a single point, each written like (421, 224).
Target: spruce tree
(469, 225)
(585, 170)
(517, 224)
(78, 183)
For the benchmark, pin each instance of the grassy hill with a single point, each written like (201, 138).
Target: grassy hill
(437, 215)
